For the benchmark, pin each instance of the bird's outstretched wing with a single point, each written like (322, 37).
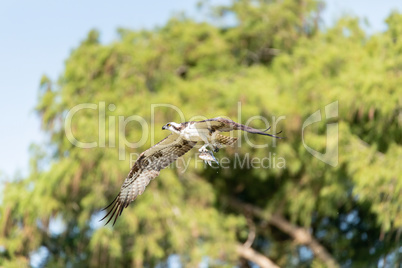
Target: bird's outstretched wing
(146, 168)
(225, 125)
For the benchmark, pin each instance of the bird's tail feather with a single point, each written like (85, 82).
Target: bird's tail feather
(225, 140)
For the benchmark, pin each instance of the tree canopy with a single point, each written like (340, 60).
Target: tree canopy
(276, 61)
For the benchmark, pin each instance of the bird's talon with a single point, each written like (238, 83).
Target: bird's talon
(203, 150)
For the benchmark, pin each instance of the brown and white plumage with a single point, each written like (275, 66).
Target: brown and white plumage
(183, 138)
(146, 168)
(225, 125)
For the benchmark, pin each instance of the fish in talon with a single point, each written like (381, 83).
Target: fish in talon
(208, 157)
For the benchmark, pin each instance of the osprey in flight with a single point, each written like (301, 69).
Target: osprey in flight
(183, 138)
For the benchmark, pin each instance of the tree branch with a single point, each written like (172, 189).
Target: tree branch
(299, 234)
(251, 233)
(252, 255)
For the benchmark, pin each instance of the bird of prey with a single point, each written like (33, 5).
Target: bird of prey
(183, 138)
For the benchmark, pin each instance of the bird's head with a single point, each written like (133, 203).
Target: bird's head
(172, 126)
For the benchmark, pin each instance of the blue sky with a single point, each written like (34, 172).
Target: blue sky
(37, 36)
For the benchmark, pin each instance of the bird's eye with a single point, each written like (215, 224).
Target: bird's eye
(168, 125)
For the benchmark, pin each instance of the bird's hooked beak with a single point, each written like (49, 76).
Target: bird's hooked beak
(164, 127)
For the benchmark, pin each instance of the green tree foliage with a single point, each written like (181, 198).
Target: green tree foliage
(275, 61)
